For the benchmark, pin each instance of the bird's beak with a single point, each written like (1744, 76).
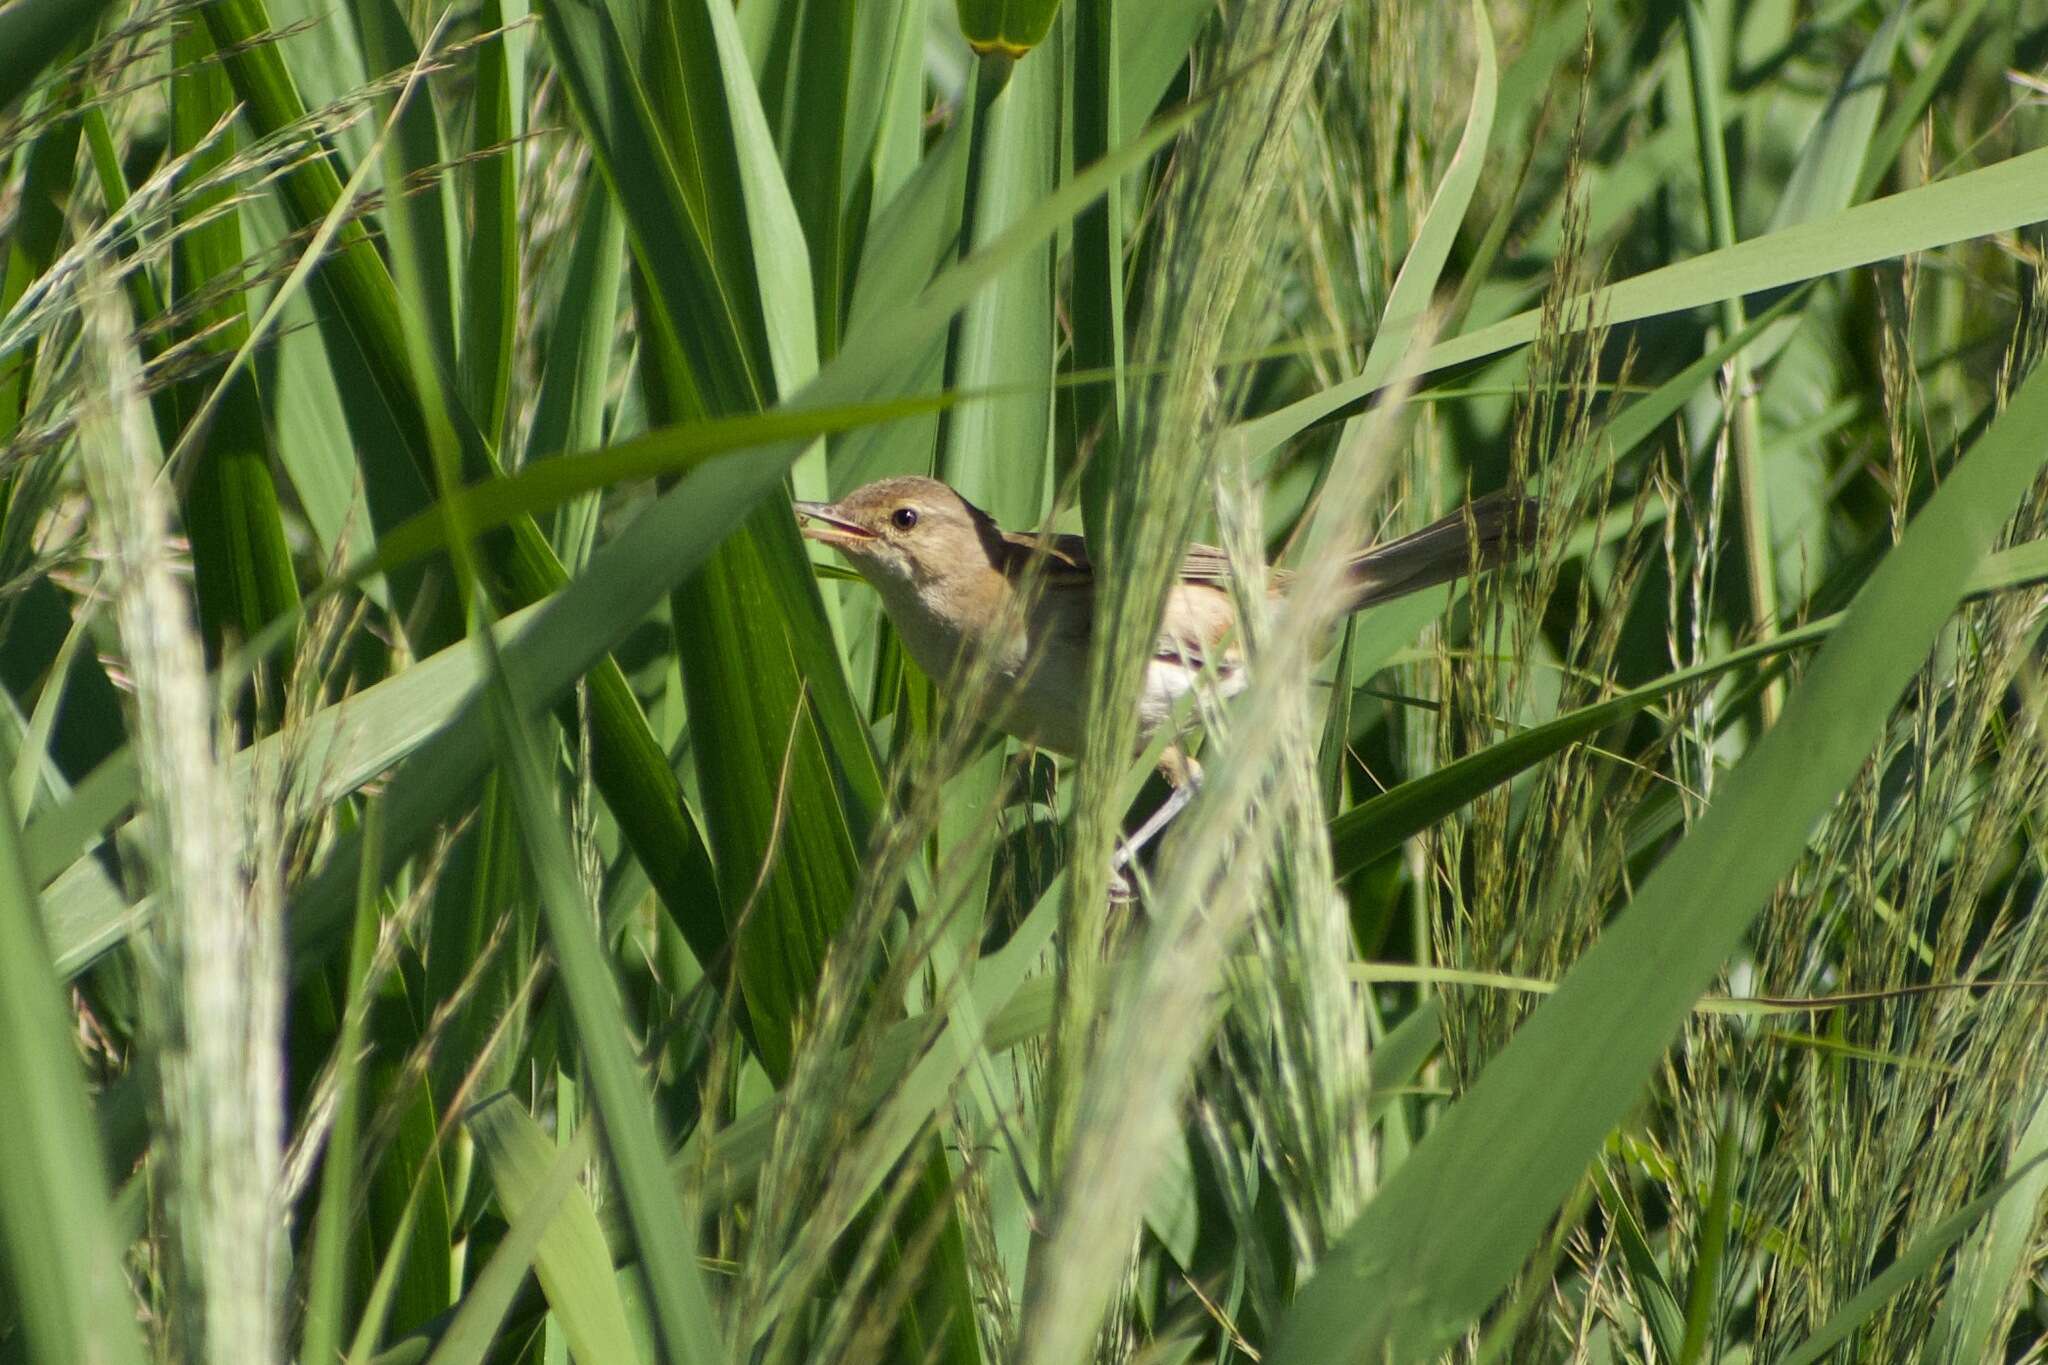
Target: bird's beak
(820, 521)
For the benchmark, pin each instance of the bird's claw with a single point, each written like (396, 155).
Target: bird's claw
(1121, 890)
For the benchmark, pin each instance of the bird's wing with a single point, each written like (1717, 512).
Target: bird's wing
(1067, 561)
(1205, 564)
(1063, 559)
(1198, 603)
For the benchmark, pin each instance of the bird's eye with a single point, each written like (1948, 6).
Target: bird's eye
(904, 517)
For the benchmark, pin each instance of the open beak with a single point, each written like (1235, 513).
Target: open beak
(820, 521)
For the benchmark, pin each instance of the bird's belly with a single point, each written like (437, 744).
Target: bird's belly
(1169, 681)
(1047, 706)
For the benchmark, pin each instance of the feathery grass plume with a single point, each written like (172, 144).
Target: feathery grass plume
(1524, 880)
(1377, 111)
(1258, 818)
(218, 975)
(1211, 231)
(1284, 1104)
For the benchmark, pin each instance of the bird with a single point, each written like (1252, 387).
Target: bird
(958, 588)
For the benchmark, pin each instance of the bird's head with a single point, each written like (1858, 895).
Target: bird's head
(904, 533)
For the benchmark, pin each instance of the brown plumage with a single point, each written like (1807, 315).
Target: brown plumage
(948, 575)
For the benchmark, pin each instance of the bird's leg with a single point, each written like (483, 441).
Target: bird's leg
(1186, 776)
(1173, 805)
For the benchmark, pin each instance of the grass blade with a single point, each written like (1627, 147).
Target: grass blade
(65, 1271)
(1915, 1261)
(240, 557)
(570, 1255)
(681, 1306)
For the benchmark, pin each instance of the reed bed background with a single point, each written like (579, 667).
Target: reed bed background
(474, 887)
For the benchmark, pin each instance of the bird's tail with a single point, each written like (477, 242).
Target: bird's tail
(1481, 535)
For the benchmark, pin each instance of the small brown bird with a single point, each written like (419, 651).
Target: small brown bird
(949, 578)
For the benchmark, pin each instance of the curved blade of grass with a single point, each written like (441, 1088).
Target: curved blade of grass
(58, 836)
(1829, 171)
(569, 410)
(1152, 46)
(1093, 412)
(1414, 288)
(490, 261)
(354, 278)
(414, 186)
(325, 1250)
(1387, 626)
(790, 780)
(570, 1256)
(775, 232)
(548, 484)
(65, 1274)
(668, 452)
(694, 247)
(996, 445)
(1710, 1245)
(1911, 108)
(480, 1314)
(996, 449)
(820, 140)
(1830, 164)
(1987, 1271)
(1640, 420)
(789, 783)
(795, 780)
(1998, 198)
(1409, 1276)
(346, 745)
(48, 168)
(912, 234)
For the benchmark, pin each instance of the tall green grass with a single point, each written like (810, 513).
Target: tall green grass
(475, 886)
